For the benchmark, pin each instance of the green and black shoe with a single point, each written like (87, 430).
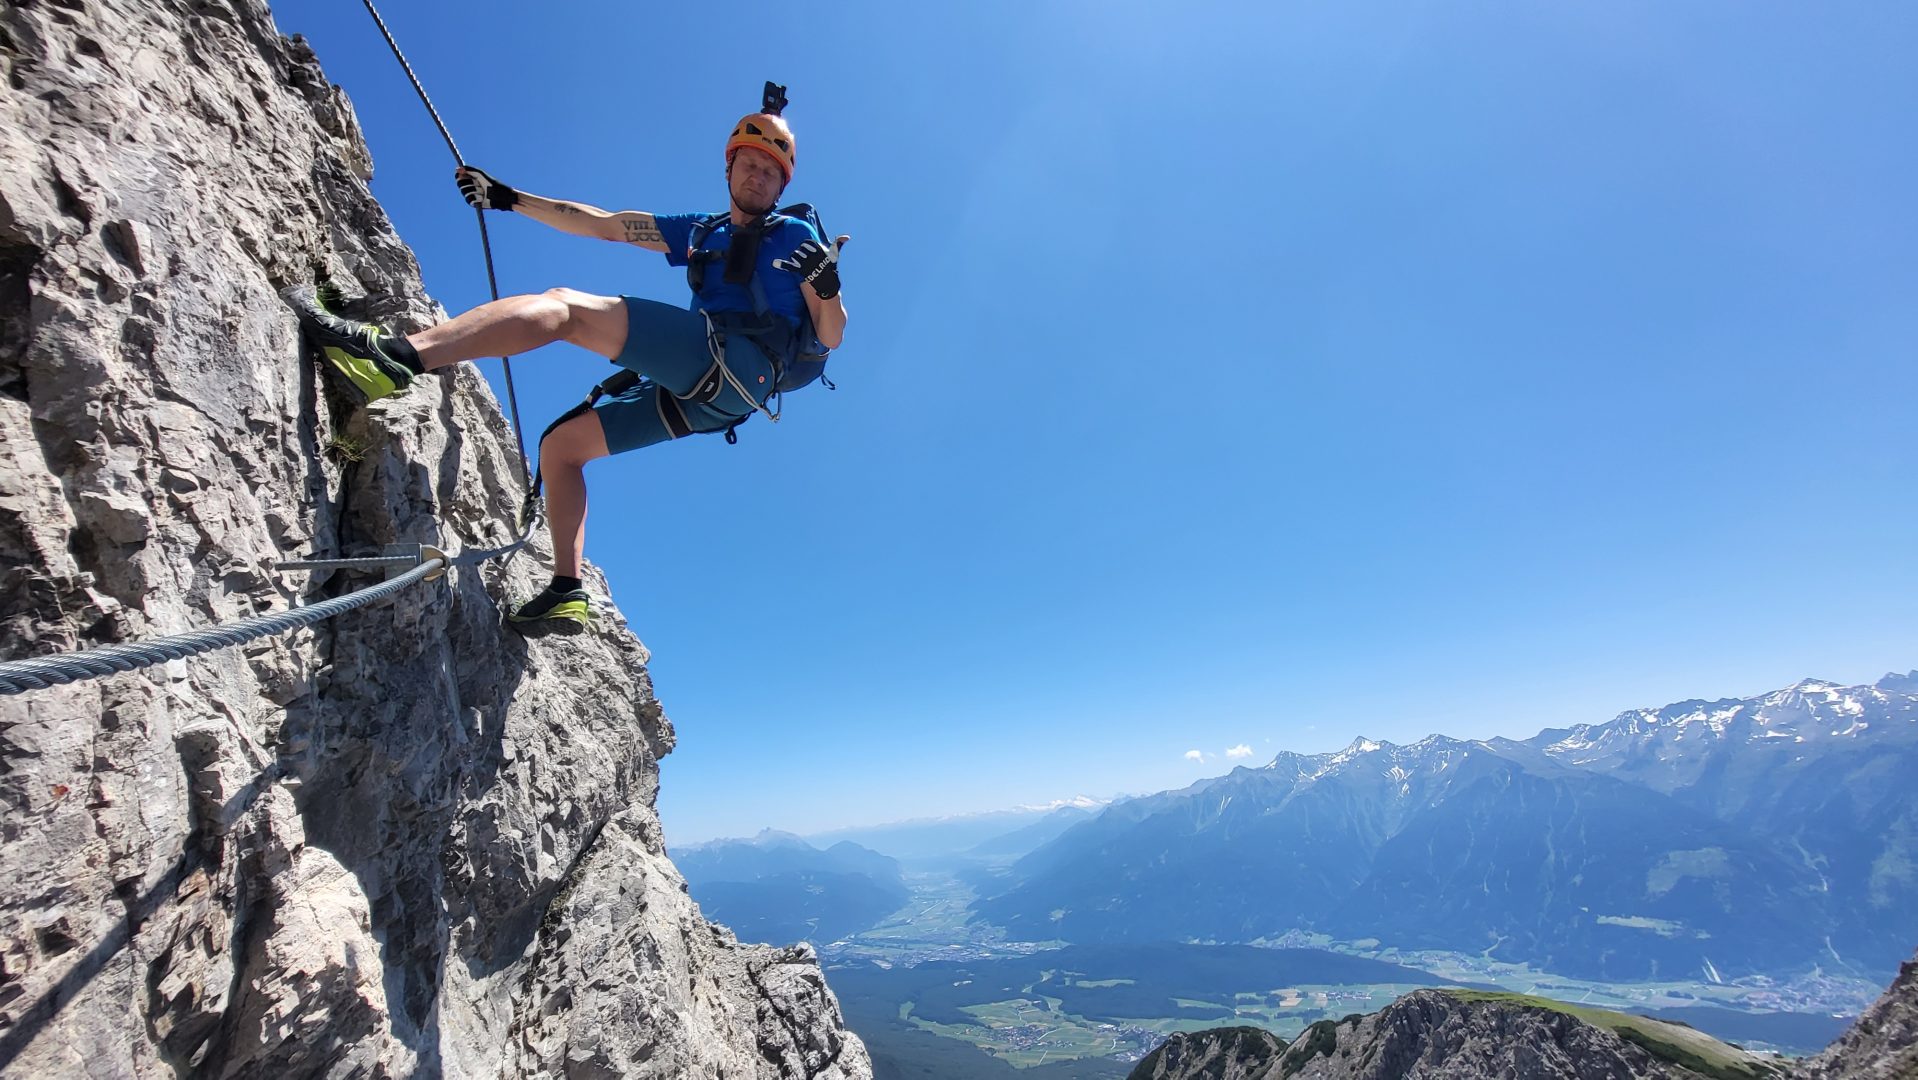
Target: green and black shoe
(567, 612)
(365, 354)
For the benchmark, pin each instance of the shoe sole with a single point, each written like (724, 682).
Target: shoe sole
(547, 625)
(362, 374)
(573, 611)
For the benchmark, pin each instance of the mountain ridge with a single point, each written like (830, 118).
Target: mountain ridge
(1466, 1034)
(778, 889)
(1711, 838)
(1462, 1035)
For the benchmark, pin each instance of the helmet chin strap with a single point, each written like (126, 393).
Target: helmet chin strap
(742, 207)
(759, 213)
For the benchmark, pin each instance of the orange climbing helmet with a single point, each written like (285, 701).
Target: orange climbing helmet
(766, 130)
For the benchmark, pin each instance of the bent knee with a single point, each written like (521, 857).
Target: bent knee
(566, 297)
(588, 320)
(556, 309)
(575, 442)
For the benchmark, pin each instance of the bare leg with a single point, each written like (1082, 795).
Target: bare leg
(562, 462)
(517, 324)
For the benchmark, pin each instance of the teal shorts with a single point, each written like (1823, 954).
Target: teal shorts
(668, 346)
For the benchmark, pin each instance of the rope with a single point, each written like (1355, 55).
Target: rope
(486, 244)
(38, 673)
(417, 88)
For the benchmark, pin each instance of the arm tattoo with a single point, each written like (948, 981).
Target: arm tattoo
(642, 233)
(566, 208)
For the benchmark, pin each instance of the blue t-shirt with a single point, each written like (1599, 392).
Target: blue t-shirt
(782, 286)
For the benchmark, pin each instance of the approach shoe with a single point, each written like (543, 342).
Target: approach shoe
(560, 610)
(352, 348)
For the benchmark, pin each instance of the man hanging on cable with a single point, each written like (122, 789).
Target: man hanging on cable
(766, 308)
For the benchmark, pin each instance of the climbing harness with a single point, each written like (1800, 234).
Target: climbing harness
(799, 360)
(615, 385)
(708, 389)
(797, 356)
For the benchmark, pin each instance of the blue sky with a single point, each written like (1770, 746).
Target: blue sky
(1261, 374)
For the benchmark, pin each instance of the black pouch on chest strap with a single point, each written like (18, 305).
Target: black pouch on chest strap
(742, 255)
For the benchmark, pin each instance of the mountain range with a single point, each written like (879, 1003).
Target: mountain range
(1704, 839)
(986, 833)
(778, 889)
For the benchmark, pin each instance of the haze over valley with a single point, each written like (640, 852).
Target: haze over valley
(1739, 865)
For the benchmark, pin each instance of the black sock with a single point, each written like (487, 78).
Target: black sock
(564, 584)
(401, 351)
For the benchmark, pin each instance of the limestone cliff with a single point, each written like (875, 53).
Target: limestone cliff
(1234, 1053)
(1434, 1033)
(1463, 1035)
(407, 842)
(1882, 1044)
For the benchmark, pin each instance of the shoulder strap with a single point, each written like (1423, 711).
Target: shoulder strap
(697, 259)
(704, 227)
(803, 211)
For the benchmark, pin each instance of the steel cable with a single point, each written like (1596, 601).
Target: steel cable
(40, 672)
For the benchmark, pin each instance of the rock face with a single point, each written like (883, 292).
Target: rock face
(1237, 1053)
(407, 842)
(1883, 1044)
(1437, 1034)
(1432, 1034)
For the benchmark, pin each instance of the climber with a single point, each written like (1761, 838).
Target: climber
(766, 307)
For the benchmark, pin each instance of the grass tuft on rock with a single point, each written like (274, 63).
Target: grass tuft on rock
(1676, 1044)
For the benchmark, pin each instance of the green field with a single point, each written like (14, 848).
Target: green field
(1814, 994)
(935, 995)
(1081, 1003)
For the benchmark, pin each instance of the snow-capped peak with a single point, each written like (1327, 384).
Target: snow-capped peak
(1808, 710)
(1894, 683)
(1429, 756)
(1077, 802)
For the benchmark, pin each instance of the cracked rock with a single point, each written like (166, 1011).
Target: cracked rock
(405, 842)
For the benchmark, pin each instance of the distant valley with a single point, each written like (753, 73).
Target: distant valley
(1707, 840)
(1744, 866)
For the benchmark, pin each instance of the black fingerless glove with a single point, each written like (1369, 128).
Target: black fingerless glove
(826, 281)
(482, 192)
(817, 264)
